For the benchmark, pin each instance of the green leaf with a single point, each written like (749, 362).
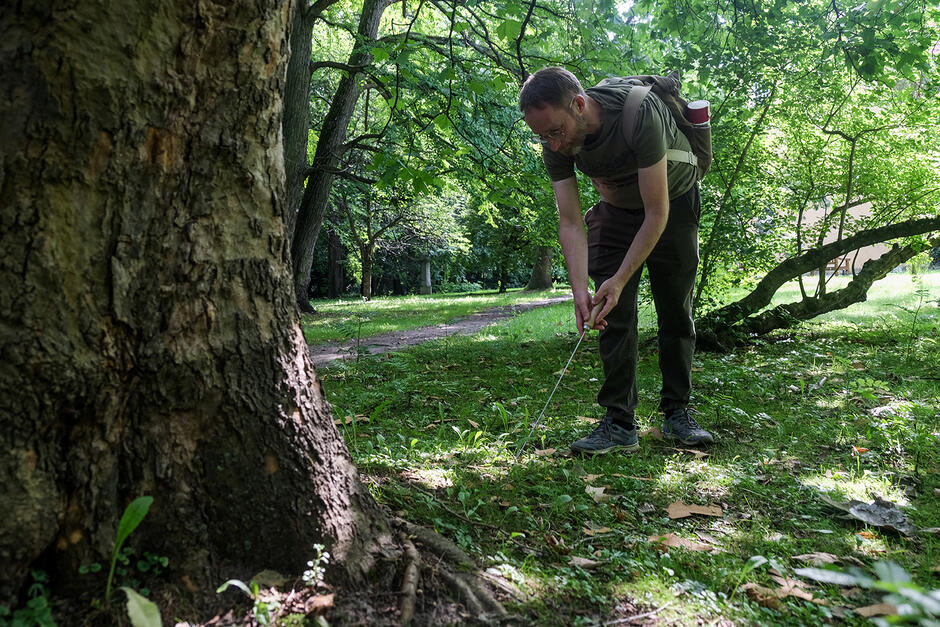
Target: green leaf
(133, 516)
(829, 576)
(238, 583)
(754, 562)
(442, 122)
(142, 611)
(890, 572)
(509, 29)
(379, 54)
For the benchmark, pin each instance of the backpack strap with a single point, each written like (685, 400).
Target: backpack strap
(630, 109)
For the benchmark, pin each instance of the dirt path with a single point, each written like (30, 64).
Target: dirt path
(386, 342)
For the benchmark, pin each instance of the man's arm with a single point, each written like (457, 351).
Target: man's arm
(573, 245)
(654, 190)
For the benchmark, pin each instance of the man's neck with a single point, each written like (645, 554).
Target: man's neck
(593, 115)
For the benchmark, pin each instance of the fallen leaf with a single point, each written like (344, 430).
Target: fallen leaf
(319, 602)
(597, 493)
(708, 538)
(692, 451)
(583, 562)
(586, 419)
(672, 540)
(792, 588)
(878, 609)
(348, 420)
(762, 596)
(868, 535)
(879, 513)
(473, 424)
(591, 478)
(634, 478)
(544, 452)
(593, 531)
(859, 365)
(857, 450)
(681, 510)
(653, 432)
(818, 559)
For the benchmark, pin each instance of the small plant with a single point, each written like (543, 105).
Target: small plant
(133, 516)
(755, 561)
(869, 388)
(265, 610)
(915, 604)
(316, 568)
(38, 610)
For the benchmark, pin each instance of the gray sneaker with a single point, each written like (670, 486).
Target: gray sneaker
(680, 425)
(605, 438)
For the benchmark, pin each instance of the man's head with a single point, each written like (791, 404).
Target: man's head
(553, 103)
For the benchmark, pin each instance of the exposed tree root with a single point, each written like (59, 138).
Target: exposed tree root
(467, 586)
(409, 584)
(437, 544)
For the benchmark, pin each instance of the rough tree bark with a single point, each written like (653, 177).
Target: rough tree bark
(148, 336)
(297, 108)
(736, 322)
(541, 278)
(330, 149)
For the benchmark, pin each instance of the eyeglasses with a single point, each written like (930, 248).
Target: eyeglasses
(558, 133)
(549, 137)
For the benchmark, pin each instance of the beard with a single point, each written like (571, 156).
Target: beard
(575, 139)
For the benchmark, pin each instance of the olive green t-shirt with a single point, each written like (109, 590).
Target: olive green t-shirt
(608, 159)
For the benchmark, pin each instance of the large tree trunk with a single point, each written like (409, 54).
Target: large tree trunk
(425, 283)
(329, 151)
(336, 279)
(541, 278)
(297, 108)
(148, 338)
(368, 260)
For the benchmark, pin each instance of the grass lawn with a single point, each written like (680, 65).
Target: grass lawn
(347, 318)
(844, 407)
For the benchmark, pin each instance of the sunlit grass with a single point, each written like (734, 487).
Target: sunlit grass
(343, 319)
(895, 297)
(835, 410)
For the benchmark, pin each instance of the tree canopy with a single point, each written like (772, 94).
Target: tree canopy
(813, 105)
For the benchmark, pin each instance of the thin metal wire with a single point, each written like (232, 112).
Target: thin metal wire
(542, 413)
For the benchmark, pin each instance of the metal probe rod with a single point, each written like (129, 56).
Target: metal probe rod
(587, 325)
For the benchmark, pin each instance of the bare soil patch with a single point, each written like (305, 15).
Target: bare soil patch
(396, 340)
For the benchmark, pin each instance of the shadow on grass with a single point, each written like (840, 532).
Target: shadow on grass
(438, 426)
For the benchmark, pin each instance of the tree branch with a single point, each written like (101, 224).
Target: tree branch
(762, 294)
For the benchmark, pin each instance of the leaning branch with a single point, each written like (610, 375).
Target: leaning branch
(791, 268)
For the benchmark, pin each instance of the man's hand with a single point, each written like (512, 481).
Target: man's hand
(582, 308)
(608, 294)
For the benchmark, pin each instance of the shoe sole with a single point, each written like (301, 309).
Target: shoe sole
(674, 438)
(626, 448)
